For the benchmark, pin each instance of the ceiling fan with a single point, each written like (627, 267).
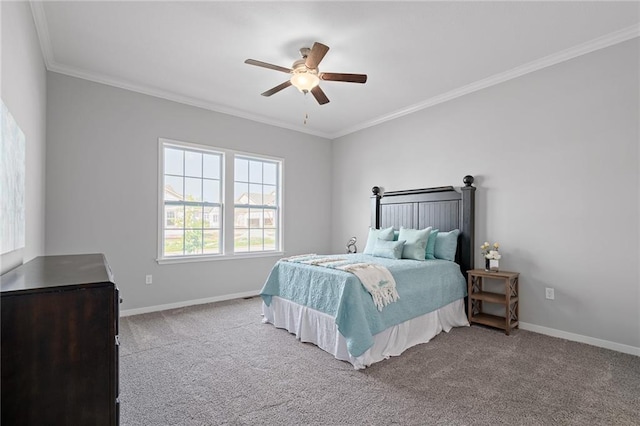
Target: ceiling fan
(306, 76)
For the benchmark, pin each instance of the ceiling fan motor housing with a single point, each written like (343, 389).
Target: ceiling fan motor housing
(299, 67)
(304, 52)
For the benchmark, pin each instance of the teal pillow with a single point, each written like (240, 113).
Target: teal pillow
(396, 234)
(388, 249)
(415, 245)
(446, 245)
(374, 235)
(431, 244)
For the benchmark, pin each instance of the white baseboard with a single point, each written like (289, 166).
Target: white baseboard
(146, 310)
(619, 347)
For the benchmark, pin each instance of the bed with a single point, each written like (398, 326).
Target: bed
(312, 297)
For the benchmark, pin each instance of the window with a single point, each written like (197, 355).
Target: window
(191, 188)
(193, 221)
(257, 207)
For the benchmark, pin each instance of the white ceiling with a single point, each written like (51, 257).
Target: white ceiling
(416, 54)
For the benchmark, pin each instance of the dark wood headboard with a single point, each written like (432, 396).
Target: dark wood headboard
(444, 208)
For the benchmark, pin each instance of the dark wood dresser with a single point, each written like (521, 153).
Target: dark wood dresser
(59, 342)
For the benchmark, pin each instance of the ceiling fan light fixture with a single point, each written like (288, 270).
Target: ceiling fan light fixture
(304, 81)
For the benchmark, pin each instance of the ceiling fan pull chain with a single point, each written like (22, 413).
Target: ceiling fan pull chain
(306, 107)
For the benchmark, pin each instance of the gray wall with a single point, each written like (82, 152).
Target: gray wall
(23, 90)
(102, 187)
(555, 156)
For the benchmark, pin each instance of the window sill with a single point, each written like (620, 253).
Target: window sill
(235, 256)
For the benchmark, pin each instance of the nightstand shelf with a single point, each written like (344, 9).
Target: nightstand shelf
(509, 299)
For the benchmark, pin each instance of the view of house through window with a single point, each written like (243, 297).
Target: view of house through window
(193, 202)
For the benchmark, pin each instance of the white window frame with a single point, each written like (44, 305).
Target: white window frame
(264, 207)
(227, 228)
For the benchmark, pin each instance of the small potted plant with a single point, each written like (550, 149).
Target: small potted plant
(491, 256)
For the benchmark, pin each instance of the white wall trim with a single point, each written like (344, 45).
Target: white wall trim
(619, 347)
(148, 309)
(42, 29)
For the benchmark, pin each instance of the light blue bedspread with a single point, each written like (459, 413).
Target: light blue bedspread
(423, 286)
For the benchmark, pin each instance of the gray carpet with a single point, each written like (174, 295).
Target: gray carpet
(218, 364)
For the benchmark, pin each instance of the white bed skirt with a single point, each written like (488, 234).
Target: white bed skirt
(310, 325)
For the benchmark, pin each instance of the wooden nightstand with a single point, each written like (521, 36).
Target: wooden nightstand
(477, 297)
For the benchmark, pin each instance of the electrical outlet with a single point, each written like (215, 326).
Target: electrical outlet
(549, 293)
(148, 279)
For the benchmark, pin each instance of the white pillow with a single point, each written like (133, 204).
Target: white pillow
(415, 245)
(375, 234)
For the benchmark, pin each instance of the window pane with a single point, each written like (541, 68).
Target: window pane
(255, 171)
(240, 240)
(211, 217)
(269, 239)
(255, 218)
(241, 170)
(173, 216)
(211, 242)
(193, 189)
(270, 173)
(173, 242)
(241, 193)
(256, 240)
(211, 191)
(193, 164)
(173, 190)
(241, 218)
(269, 196)
(211, 166)
(270, 218)
(255, 192)
(173, 161)
(193, 217)
(193, 241)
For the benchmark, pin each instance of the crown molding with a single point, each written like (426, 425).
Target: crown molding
(42, 29)
(607, 40)
(174, 97)
(547, 61)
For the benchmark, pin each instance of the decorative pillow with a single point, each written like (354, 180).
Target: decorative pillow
(388, 249)
(431, 244)
(415, 245)
(396, 234)
(374, 235)
(446, 245)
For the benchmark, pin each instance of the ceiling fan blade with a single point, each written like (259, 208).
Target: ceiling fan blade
(319, 95)
(349, 78)
(315, 56)
(277, 88)
(267, 65)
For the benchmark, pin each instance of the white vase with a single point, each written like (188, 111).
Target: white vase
(494, 265)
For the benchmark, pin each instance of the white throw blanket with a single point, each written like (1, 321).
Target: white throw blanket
(377, 280)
